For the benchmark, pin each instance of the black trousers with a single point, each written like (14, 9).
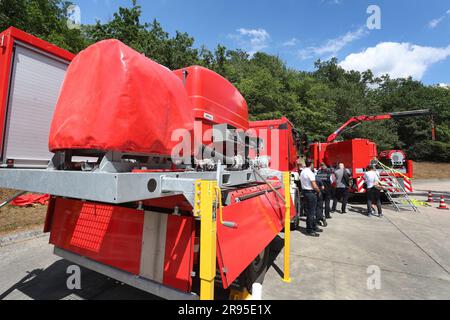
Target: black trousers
(342, 195)
(327, 195)
(319, 208)
(374, 194)
(310, 210)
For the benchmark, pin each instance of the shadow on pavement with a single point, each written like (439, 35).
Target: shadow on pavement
(276, 247)
(50, 284)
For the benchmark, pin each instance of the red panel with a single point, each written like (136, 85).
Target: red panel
(8, 37)
(43, 45)
(107, 234)
(115, 99)
(355, 154)
(49, 215)
(259, 220)
(212, 94)
(179, 256)
(317, 153)
(279, 143)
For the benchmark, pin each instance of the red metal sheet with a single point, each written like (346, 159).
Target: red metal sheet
(355, 154)
(279, 143)
(259, 220)
(115, 99)
(179, 254)
(107, 234)
(7, 39)
(214, 99)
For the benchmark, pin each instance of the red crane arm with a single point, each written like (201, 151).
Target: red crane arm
(356, 121)
(388, 116)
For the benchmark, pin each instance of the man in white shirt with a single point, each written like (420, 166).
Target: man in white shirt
(373, 190)
(310, 190)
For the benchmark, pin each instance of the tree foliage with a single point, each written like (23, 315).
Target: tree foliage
(317, 102)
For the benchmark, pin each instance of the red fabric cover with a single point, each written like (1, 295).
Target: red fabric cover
(115, 99)
(30, 199)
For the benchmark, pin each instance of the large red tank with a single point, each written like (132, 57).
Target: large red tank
(115, 99)
(214, 99)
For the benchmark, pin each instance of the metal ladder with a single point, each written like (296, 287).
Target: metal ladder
(399, 198)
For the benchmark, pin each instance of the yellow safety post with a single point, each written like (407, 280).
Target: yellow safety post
(204, 208)
(287, 226)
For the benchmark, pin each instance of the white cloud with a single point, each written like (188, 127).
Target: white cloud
(290, 43)
(253, 40)
(396, 59)
(333, 46)
(435, 22)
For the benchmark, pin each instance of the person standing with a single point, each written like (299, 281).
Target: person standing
(320, 218)
(343, 178)
(325, 175)
(310, 191)
(299, 186)
(373, 190)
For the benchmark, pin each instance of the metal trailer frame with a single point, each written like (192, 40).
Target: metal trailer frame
(119, 188)
(199, 188)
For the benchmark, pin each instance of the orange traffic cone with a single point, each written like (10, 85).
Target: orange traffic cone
(430, 197)
(442, 204)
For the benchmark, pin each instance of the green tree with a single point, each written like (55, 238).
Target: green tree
(46, 19)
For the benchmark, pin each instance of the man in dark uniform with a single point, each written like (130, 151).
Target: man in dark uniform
(324, 175)
(320, 218)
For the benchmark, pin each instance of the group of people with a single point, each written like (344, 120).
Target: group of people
(320, 188)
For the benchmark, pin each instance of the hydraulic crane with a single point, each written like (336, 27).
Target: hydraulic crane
(356, 154)
(356, 121)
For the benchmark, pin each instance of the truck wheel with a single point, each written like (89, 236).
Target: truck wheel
(256, 271)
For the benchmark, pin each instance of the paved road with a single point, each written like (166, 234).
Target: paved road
(411, 250)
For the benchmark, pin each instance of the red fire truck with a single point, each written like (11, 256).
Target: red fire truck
(357, 154)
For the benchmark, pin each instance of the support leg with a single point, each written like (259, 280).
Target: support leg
(287, 226)
(205, 197)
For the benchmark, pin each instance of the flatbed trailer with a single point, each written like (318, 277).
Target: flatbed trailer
(171, 229)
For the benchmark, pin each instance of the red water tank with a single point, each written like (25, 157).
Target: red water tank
(115, 99)
(214, 99)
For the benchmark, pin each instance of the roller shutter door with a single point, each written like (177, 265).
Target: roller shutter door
(35, 82)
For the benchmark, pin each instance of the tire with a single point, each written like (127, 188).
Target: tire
(256, 271)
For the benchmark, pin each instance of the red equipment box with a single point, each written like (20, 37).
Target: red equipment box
(355, 154)
(116, 99)
(214, 99)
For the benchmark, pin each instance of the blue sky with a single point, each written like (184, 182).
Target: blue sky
(414, 38)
